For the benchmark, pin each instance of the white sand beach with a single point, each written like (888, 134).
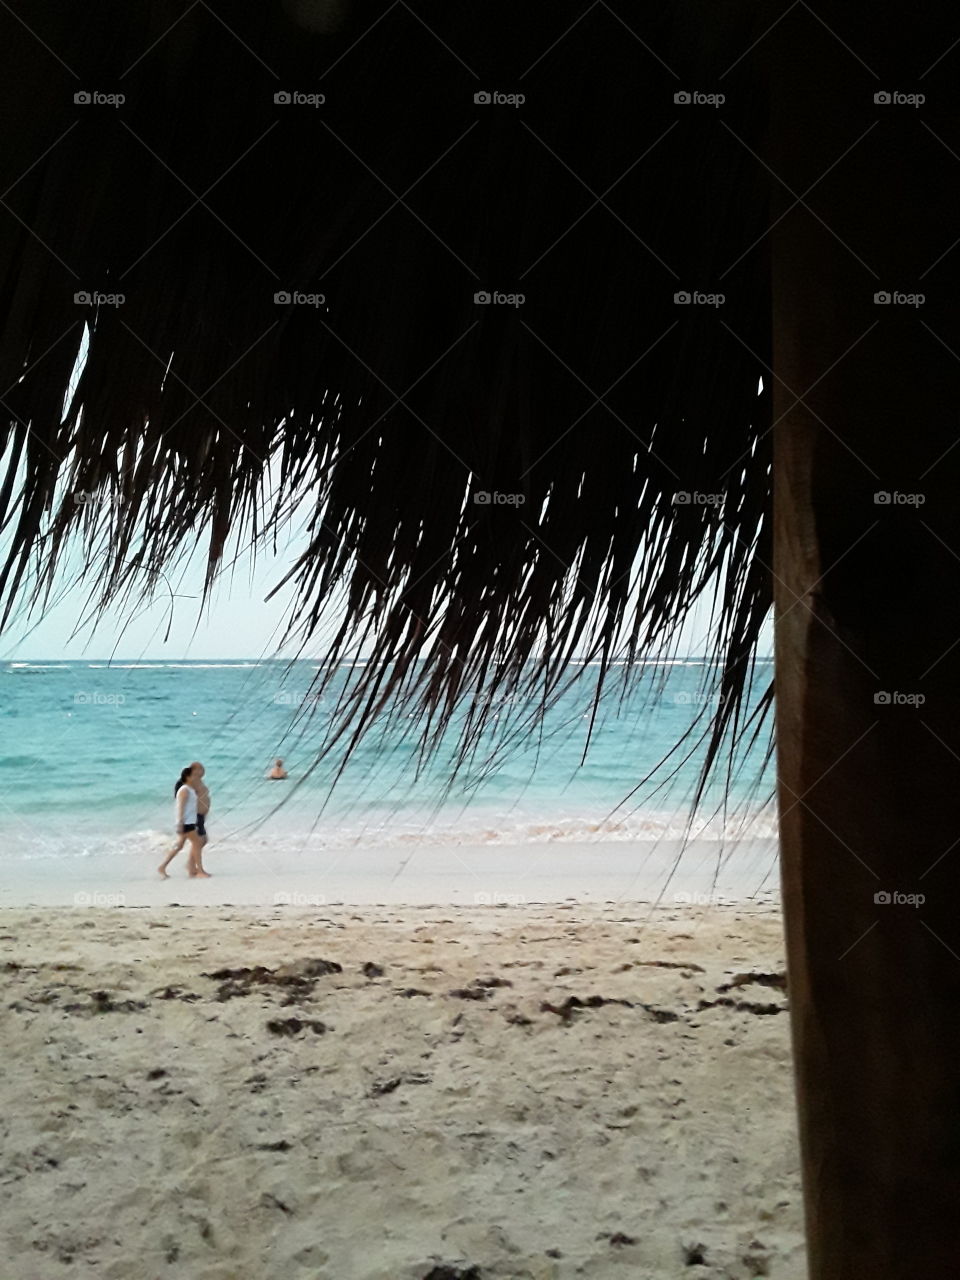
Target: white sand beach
(276, 872)
(362, 1092)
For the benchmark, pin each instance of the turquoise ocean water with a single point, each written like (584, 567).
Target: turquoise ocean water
(89, 752)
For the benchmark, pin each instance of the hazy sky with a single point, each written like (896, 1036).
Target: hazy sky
(237, 623)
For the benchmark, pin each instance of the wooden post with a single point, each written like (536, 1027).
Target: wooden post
(867, 564)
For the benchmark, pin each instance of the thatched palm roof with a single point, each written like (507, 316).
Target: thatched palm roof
(399, 399)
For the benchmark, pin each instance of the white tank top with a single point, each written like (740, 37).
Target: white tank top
(189, 809)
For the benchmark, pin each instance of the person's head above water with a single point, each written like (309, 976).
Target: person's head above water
(278, 762)
(197, 769)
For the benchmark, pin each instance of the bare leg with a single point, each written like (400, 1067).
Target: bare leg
(181, 839)
(203, 844)
(194, 862)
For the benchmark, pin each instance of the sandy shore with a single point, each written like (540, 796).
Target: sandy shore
(397, 1093)
(279, 871)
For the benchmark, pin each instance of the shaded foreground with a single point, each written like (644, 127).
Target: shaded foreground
(398, 1094)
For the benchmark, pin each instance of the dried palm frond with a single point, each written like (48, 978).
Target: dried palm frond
(396, 404)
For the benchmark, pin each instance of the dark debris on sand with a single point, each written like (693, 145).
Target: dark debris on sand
(742, 1006)
(661, 1015)
(270, 1201)
(480, 988)
(299, 978)
(776, 980)
(453, 1273)
(293, 1026)
(620, 1240)
(569, 1007)
(516, 1018)
(384, 1087)
(103, 1002)
(694, 1255)
(175, 993)
(381, 1088)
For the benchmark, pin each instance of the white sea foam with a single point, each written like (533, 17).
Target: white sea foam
(40, 666)
(642, 829)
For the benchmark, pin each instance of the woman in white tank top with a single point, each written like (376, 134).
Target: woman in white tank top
(185, 814)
